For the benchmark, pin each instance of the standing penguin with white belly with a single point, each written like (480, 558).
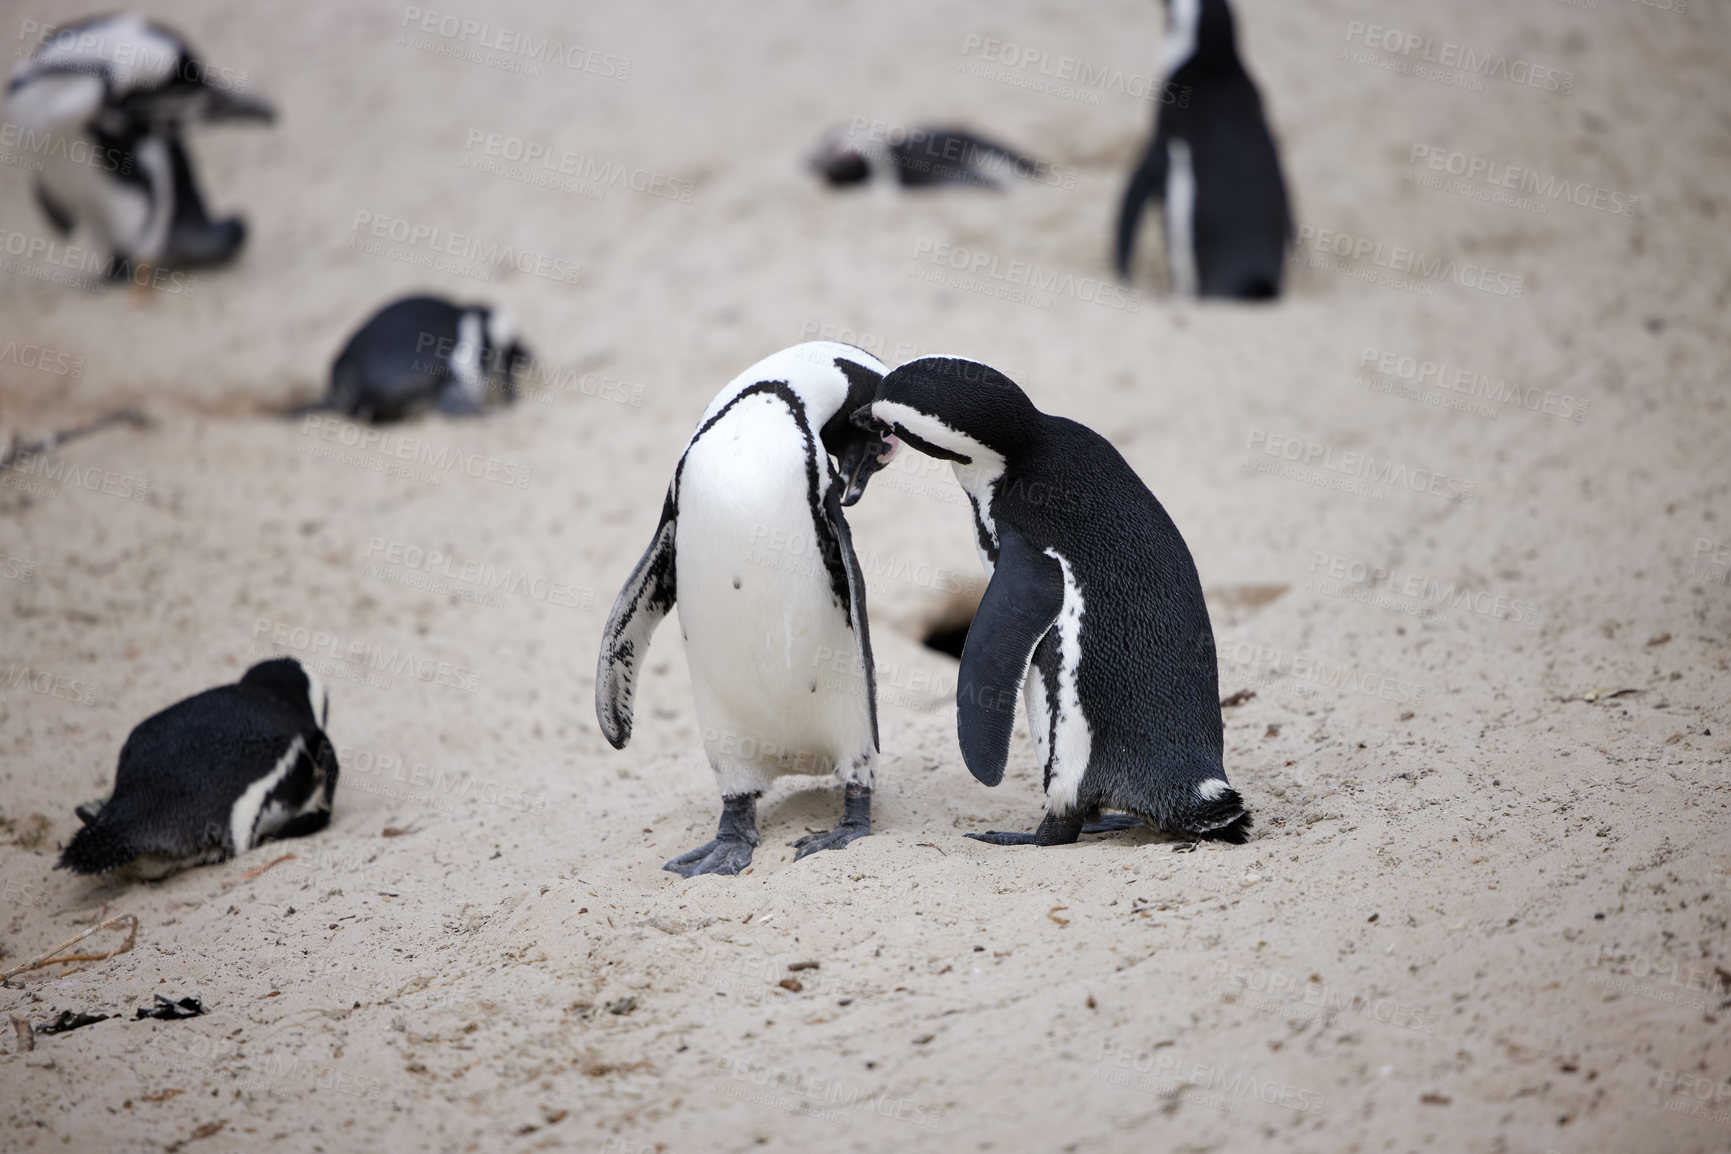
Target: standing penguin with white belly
(1213, 165)
(753, 546)
(1094, 610)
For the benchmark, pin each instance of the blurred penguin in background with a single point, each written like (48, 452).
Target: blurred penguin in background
(102, 106)
(1212, 165)
(425, 352)
(867, 151)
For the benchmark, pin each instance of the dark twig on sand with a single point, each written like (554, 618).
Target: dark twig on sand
(21, 450)
(50, 958)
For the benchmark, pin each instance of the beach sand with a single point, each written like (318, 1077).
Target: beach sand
(1459, 502)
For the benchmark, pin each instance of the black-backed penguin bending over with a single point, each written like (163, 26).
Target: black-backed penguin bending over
(1213, 166)
(920, 158)
(1094, 611)
(105, 102)
(424, 352)
(210, 777)
(754, 547)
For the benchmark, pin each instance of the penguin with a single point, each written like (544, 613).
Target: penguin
(1213, 165)
(109, 100)
(210, 777)
(423, 352)
(922, 158)
(1093, 612)
(753, 546)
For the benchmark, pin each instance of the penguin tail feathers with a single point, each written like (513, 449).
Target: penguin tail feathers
(97, 848)
(1219, 814)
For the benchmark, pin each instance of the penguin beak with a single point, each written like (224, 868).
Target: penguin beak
(866, 455)
(225, 104)
(183, 104)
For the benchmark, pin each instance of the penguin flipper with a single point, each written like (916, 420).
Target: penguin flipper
(856, 607)
(1147, 183)
(646, 598)
(1020, 606)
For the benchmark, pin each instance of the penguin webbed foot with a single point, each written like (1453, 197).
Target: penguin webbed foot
(730, 850)
(720, 856)
(1001, 837)
(856, 822)
(1053, 831)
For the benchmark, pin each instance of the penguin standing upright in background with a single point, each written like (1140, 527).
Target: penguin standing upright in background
(210, 777)
(920, 158)
(424, 352)
(753, 546)
(1094, 610)
(1213, 166)
(104, 103)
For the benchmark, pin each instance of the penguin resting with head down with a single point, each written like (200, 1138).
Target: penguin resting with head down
(210, 777)
(1213, 166)
(919, 158)
(1094, 613)
(425, 352)
(754, 548)
(106, 102)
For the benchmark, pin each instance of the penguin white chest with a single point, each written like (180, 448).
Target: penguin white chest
(980, 483)
(1181, 217)
(1072, 739)
(777, 673)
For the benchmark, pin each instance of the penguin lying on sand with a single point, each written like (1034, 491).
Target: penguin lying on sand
(754, 547)
(425, 352)
(1213, 166)
(1094, 612)
(105, 102)
(210, 777)
(921, 158)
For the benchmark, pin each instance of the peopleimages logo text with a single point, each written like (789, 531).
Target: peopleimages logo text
(980, 271)
(1411, 262)
(1447, 54)
(462, 246)
(514, 42)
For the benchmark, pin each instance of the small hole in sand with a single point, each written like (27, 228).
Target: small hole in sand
(946, 627)
(949, 638)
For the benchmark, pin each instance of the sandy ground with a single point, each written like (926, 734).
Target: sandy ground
(1485, 909)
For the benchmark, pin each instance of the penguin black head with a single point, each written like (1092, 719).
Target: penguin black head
(291, 683)
(188, 98)
(153, 77)
(828, 381)
(859, 450)
(844, 168)
(1199, 34)
(953, 409)
(840, 160)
